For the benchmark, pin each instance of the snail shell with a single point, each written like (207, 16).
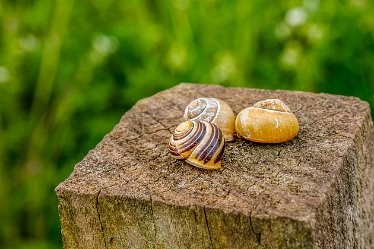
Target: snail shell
(213, 111)
(200, 143)
(267, 121)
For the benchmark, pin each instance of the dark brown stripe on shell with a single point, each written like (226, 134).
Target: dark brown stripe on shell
(214, 147)
(220, 155)
(195, 139)
(199, 129)
(173, 150)
(176, 137)
(206, 148)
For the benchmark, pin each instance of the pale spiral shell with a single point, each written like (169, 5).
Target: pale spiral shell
(200, 143)
(213, 111)
(267, 121)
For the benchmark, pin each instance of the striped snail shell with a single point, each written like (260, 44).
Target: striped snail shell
(267, 121)
(213, 111)
(200, 143)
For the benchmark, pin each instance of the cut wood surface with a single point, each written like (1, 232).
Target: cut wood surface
(316, 191)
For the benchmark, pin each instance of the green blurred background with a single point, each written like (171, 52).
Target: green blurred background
(69, 70)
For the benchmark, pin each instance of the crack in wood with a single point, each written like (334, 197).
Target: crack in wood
(257, 234)
(207, 226)
(154, 221)
(99, 217)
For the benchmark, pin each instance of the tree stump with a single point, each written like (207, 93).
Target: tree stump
(315, 191)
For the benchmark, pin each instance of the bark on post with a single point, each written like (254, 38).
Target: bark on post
(315, 191)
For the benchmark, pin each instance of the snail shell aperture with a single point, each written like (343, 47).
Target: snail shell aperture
(213, 111)
(267, 121)
(200, 143)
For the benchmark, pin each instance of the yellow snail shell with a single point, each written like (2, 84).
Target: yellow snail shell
(200, 143)
(213, 111)
(267, 121)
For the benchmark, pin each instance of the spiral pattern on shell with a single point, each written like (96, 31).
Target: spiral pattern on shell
(267, 121)
(200, 143)
(214, 111)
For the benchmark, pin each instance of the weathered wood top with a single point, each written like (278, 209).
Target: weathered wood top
(283, 180)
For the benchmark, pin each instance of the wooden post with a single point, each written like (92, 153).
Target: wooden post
(315, 191)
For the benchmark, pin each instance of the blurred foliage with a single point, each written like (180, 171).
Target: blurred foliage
(69, 70)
